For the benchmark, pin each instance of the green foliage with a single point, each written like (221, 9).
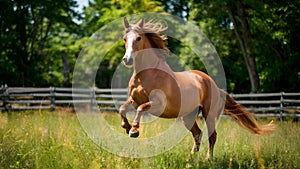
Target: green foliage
(276, 29)
(44, 139)
(26, 30)
(274, 33)
(35, 36)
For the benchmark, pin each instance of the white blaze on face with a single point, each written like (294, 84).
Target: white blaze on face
(129, 49)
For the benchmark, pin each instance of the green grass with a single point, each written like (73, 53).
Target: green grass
(41, 139)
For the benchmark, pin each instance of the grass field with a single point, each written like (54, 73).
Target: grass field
(42, 139)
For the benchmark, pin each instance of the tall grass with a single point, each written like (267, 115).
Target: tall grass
(56, 140)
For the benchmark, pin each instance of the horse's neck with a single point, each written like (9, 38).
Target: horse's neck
(148, 59)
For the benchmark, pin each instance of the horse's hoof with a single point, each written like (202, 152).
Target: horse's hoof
(127, 131)
(133, 134)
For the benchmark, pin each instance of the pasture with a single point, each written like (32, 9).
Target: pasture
(43, 139)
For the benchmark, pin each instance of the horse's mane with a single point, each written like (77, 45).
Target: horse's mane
(152, 30)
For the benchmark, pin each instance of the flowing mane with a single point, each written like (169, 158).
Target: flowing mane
(152, 30)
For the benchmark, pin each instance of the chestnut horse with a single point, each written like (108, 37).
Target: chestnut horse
(156, 89)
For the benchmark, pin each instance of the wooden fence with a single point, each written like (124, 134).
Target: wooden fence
(18, 98)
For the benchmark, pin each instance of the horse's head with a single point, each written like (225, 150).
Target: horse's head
(143, 36)
(133, 41)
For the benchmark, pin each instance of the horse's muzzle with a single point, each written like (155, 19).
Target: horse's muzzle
(127, 61)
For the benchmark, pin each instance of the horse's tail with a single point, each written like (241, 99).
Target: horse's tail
(245, 118)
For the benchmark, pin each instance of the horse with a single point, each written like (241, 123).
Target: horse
(155, 88)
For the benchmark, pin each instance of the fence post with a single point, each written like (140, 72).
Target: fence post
(92, 94)
(281, 106)
(52, 98)
(5, 98)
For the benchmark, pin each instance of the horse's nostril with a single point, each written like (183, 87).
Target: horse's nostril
(124, 59)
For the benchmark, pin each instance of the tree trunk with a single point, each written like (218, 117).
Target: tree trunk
(242, 32)
(44, 38)
(24, 61)
(66, 69)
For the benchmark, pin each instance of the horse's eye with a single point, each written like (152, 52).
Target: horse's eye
(138, 38)
(125, 39)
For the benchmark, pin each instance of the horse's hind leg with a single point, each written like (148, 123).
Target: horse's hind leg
(191, 124)
(212, 134)
(210, 119)
(211, 113)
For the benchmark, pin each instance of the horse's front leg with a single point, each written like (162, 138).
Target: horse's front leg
(123, 110)
(134, 132)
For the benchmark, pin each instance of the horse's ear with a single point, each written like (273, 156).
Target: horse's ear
(141, 23)
(126, 23)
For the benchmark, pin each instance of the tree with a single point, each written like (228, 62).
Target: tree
(25, 30)
(238, 15)
(277, 26)
(256, 40)
(266, 33)
(225, 21)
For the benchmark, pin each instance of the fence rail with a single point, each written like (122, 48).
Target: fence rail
(19, 98)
